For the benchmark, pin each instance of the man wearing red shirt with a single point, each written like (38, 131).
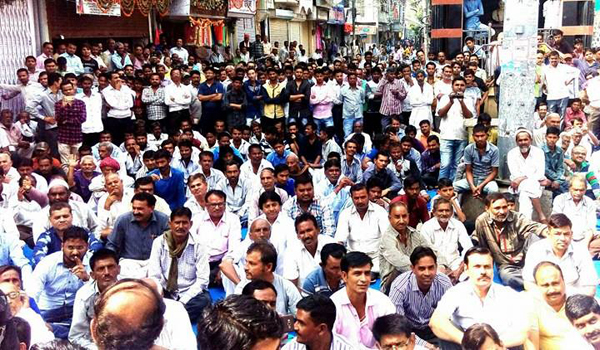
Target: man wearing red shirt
(417, 205)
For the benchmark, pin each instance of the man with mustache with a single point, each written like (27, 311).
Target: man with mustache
(573, 259)
(527, 174)
(479, 300)
(584, 313)
(550, 326)
(507, 234)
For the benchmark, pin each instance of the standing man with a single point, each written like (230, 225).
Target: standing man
(178, 97)
(421, 98)
(70, 113)
(479, 300)
(153, 97)
(556, 78)
(133, 234)
(453, 110)
(299, 96)
(357, 305)
(256, 48)
(481, 160)
(353, 99)
(180, 264)
(92, 126)
(119, 100)
(41, 107)
(74, 64)
(180, 51)
(274, 97)
(392, 94)
(210, 93)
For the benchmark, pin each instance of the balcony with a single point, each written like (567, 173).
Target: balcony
(287, 3)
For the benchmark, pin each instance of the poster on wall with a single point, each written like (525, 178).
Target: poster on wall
(91, 7)
(246, 8)
(212, 8)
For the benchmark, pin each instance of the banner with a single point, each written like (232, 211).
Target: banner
(208, 8)
(90, 7)
(242, 8)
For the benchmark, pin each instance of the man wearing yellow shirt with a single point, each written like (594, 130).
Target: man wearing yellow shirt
(550, 327)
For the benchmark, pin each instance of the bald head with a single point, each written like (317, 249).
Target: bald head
(260, 229)
(128, 314)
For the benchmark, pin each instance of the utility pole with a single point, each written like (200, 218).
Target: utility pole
(353, 26)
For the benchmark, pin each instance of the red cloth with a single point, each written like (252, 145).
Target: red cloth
(417, 210)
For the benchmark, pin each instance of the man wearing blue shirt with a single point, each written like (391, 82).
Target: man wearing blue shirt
(210, 93)
(58, 277)
(169, 182)
(327, 278)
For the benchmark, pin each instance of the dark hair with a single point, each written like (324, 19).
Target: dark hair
(355, 259)
(305, 217)
(374, 182)
(543, 264)
(181, 211)
(559, 220)
(162, 153)
(268, 253)
(254, 146)
(411, 180)
(5, 268)
(477, 334)
(320, 308)
(440, 201)
(581, 305)
(303, 180)
(58, 344)
(552, 130)
(281, 168)
(255, 285)
(75, 232)
(141, 181)
(480, 128)
(144, 197)
(23, 331)
(510, 198)
(59, 206)
(268, 196)
(444, 182)
(421, 252)
(392, 324)
(476, 250)
(237, 322)
(331, 163)
(217, 193)
(492, 197)
(330, 131)
(334, 250)
(357, 187)
(433, 138)
(112, 332)
(101, 254)
(458, 78)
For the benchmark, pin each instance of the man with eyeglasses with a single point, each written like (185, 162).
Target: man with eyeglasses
(393, 332)
(220, 230)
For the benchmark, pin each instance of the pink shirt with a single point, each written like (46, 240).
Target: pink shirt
(322, 97)
(347, 322)
(221, 238)
(570, 115)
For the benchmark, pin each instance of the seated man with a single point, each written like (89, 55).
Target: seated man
(482, 160)
(416, 293)
(113, 203)
(327, 278)
(508, 235)
(51, 241)
(187, 282)
(397, 244)
(104, 270)
(305, 201)
(263, 291)
(238, 191)
(314, 325)
(393, 329)
(550, 327)
(335, 187)
(145, 184)
(261, 262)
(577, 267)
(168, 181)
(357, 299)
(221, 230)
(462, 306)
(447, 236)
(584, 313)
(415, 202)
(526, 164)
(232, 265)
(214, 177)
(379, 169)
(430, 162)
(361, 226)
(555, 166)
(133, 234)
(58, 277)
(303, 255)
(581, 209)
(11, 254)
(267, 183)
(401, 163)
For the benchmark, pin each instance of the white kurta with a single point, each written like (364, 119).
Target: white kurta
(420, 100)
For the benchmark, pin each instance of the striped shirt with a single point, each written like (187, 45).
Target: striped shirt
(338, 342)
(392, 95)
(412, 303)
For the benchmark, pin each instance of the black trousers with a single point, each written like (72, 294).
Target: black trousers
(117, 128)
(338, 122)
(91, 138)
(196, 305)
(174, 119)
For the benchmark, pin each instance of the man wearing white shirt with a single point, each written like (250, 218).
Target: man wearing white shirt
(119, 99)
(361, 225)
(47, 52)
(445, 235)
(304, 254)
(576, 264)
(526, 164)
(421, 97)
(178, 97)
(252, 168)
(556, 78)
(113, 203)
(215, 178)
(180, 50)
(93, 106)
(237, 191)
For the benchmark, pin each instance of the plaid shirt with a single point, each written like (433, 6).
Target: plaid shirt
(391, 104)
(507, 244)
(155, 103)
(69, 119)
(318, 209)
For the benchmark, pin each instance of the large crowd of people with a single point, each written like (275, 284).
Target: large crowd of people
(324, 195)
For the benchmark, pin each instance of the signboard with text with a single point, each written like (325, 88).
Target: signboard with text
(89, 7)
